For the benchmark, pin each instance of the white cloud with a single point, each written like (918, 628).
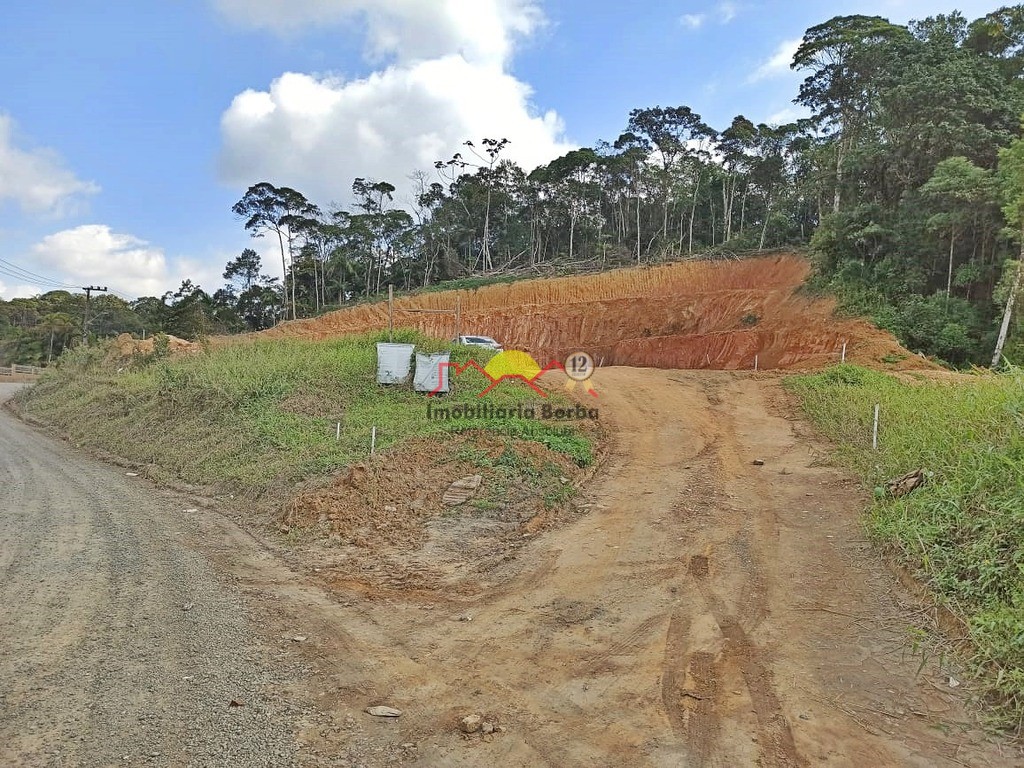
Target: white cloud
(35, 178)
(778, 63)
(93, 254)
(692, 20)
(447, 82)
(788, 115)
(483, 31)
(319, 133)
(728, 11)
(15, 291)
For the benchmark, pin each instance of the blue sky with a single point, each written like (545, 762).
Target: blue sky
(128, 129)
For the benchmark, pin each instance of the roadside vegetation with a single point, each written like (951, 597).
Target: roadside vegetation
(254, 419)
(962, 532)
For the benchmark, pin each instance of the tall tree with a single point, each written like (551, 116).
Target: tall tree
(269, 209)
(1011, 177)
(844, 56)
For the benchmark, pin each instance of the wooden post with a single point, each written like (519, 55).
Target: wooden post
(843, 359)
(458, 318)
(373, 441)
(391, 312)
(755, 362)
(874, 434)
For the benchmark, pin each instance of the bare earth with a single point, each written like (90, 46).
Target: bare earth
(705, 612)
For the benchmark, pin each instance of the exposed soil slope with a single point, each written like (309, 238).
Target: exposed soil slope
(698, 314)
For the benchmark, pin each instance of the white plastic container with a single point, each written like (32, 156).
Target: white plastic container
(431, 373)
(394, 363)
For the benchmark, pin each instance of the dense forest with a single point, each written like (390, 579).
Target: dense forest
(905, 184)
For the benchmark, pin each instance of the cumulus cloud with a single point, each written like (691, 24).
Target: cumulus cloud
(725, 13)
(93, 254)
(778, 63)
(447, 82)
(35, 178)
(319, 133)
(482, 31)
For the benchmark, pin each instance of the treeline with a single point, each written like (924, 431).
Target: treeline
(894, 181)
(904, 182)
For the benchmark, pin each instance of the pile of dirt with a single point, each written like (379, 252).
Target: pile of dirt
(391, 501)
(698, 314)
(126, 346)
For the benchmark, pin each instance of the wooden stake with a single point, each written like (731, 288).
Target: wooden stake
(373, 441)
(844, 352)
(874, 434)
(337, 432)
(458, 318)
(391, 312)
(755, 362)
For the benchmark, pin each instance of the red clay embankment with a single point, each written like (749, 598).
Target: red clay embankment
(698, 314)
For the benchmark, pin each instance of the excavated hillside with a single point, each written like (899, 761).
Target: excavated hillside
(698, 314)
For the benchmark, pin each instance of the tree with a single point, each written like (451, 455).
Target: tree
(677, 135)
(486, 165)
(960, 189)
(244, 269)
(1011, 178)
(844, 56)
(267, 208)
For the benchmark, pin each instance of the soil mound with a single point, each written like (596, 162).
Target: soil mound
(698, 314)
(126, 345)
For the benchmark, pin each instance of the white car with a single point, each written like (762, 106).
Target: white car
(481, 341)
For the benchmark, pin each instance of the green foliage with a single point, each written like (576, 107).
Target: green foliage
(950, 329)
(963, 532)
(161, 345)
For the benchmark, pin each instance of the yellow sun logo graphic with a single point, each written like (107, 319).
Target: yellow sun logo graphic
(512, 363)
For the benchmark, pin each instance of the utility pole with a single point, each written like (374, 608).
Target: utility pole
(85, 320)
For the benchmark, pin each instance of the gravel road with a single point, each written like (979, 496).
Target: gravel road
(119, 644)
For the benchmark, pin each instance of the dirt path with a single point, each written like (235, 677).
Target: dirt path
(706, 612)
(119, 645)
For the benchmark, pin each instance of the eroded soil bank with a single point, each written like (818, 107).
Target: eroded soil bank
(699, 314)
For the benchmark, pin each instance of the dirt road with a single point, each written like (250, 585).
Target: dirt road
(119, 645)
(704, 612)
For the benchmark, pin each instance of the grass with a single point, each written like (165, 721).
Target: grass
(252, 418)
(962, 533)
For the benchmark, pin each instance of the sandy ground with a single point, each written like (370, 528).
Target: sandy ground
(705, 612)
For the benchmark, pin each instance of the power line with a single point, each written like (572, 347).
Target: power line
(13, 270)
(30, 280)
(33, 278)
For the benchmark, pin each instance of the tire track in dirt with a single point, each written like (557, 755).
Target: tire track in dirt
(676, 624)
(773, 736)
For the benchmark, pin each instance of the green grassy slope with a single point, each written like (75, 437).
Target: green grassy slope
(962, 533)
(258, 417)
